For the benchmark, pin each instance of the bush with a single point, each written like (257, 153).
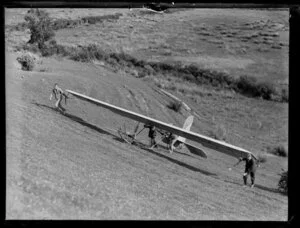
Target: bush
(81, 55)
(284, 95)
(265, 90)
(281, 151)
(175, 105)
(39, 24)
(27, 61)
(247, 85)
(283, 182)
(262, 158)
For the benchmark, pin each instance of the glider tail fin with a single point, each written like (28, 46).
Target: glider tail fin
(186, 126)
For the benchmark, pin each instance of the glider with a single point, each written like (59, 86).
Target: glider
(182, 133)
(177, 141)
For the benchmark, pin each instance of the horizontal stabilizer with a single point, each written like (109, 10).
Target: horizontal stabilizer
(196, 150)
(186, 126)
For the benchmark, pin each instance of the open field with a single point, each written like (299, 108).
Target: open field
(247, 42)
(74, 166)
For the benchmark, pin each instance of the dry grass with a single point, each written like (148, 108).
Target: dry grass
(72, 167)
(89, 175)
(162, 45)
(219, 132)
(262, 158)
(131, 34)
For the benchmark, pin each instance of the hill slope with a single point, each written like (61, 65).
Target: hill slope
(75, 166)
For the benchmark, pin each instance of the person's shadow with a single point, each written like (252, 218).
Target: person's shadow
(140, 145)
(76, 119)
(274, 190)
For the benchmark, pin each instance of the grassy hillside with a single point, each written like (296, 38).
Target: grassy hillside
(74, 166)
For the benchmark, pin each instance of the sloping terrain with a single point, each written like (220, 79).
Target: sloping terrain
(240, 41)
(76, 167)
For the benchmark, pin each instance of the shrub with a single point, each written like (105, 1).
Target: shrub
(39, 24)
(225, 79)
(81, 55)
(175, 105)
(265, 90)
(281, 151)
(247, 85)
(262, 158)
(27, 61)
(284, 95)
(283, 182)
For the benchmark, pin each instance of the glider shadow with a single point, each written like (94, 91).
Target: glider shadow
(77, 119)
(204, 172)
(84, 123)
(144, 147)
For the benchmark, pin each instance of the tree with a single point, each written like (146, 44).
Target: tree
(39, 24)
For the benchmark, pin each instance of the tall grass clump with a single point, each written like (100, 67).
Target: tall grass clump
(249, 86)
(284, 95)
(27, 61)
(262, 158)
(283, 182)
(175, 105)
(63, 23)
(280, 151)
(71, 23)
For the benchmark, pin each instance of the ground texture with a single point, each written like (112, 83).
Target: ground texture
(74, 166)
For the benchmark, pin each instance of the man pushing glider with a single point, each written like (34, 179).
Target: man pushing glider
(59, 94)
(250, 169)
(151, 135)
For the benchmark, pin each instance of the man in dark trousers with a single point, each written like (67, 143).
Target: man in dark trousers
(171, 141)
(250, 169)
(151, 135)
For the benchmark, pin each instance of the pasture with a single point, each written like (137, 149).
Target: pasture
(74, 166)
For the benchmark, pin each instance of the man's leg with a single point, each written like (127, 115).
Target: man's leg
(150, 144)
(252, 175)
(153, 143)
(245, 177)
(172, 146)
(62, 108)
(58, 105)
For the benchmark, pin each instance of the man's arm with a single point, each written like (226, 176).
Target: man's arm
(53, 92)
(239, 161)
(65, 95)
